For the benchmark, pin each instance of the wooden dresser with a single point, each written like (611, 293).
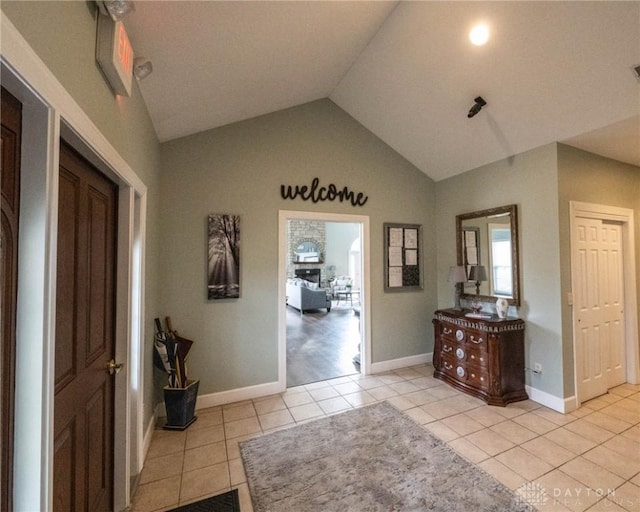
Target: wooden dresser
(482, 357)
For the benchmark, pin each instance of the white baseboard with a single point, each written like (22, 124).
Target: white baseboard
(272, 388)
(148, 434)
(563, 405)
(230, 396)
(403, 362)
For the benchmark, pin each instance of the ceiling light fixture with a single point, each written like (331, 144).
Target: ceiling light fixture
(142, 67)
(477, 106)
(479, 34)
(117, 9)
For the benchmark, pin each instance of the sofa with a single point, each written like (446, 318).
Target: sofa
(304, 295)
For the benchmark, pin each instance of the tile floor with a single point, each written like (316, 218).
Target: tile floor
(585, 460)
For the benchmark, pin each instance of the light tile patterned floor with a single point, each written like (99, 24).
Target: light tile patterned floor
(586, 460)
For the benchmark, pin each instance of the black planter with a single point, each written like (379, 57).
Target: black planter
(180, 404)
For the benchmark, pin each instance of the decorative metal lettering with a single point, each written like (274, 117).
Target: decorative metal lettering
(316, 193)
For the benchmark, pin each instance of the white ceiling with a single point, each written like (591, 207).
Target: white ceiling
(552, 71)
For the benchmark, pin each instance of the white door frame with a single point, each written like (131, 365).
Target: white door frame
(625, 217)
(365, 293)
(50, 112)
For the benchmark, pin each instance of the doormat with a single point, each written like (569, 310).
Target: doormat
(226, 502)
(372, 459)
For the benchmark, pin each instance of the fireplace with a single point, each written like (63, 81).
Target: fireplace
(310, 274)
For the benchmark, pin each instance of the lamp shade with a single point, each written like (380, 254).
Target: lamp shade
(478, 273)
(457, 274)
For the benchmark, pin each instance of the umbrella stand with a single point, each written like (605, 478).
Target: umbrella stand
(180, 394)
(180, 404)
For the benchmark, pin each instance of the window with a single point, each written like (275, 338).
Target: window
(501, 274)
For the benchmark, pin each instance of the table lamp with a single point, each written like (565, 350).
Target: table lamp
(457, 275)
(478, 274)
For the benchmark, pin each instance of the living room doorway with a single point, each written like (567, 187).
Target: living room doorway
(323, 290)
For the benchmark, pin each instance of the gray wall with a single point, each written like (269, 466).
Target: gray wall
(64, 34)
(528, 180)
(239, 169)
(590, 178)
(340, 236)
(541, 182)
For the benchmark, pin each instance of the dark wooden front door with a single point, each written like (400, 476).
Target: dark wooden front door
(85, 309)
(10, 174)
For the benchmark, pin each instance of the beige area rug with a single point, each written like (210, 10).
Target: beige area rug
(371, 459)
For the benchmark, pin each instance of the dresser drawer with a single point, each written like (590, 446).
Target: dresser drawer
(473, 376)
(447, 331)
(457, 334)
(476, 339)
(465, 353)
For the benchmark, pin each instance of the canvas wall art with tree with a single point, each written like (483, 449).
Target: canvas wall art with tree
(224, 257)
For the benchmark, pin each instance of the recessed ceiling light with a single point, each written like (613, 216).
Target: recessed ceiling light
(479, 34)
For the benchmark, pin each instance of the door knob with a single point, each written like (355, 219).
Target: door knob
(113, 367)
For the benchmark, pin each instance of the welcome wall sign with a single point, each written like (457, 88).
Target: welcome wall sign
(316, 193)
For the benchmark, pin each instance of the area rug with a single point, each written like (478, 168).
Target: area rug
(371, 459)
(225, 502)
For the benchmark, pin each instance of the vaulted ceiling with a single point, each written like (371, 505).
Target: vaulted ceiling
(551, 71)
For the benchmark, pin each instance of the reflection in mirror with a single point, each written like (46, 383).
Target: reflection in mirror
(500, 260)
(308, 252)
(487, 243)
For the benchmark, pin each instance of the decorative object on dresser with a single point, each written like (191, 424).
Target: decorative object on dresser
(502, 306)
(480, 355)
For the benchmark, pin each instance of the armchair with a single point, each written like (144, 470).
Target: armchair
(340, 284)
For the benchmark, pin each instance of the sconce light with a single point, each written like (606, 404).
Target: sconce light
(142, 67)
(477, 106)
(117, 9)
(457, 275)
(478, 273)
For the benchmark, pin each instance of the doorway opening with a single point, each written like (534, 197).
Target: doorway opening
(323, 300)
(323, 296)
(604, 299)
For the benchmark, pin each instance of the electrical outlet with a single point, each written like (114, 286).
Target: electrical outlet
(537, 368)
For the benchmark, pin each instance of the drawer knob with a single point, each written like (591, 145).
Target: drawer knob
(474, 340)
(446, 330)
(447, 366)
(460, 353)
(460, 371)
(446, 348)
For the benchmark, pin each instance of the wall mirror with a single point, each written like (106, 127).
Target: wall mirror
(307, 251)
(487, 243)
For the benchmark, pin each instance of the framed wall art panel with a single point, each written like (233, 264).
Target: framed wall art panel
(223, 270)
(402, 257)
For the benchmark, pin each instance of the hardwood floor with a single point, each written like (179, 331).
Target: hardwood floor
(321, 345)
